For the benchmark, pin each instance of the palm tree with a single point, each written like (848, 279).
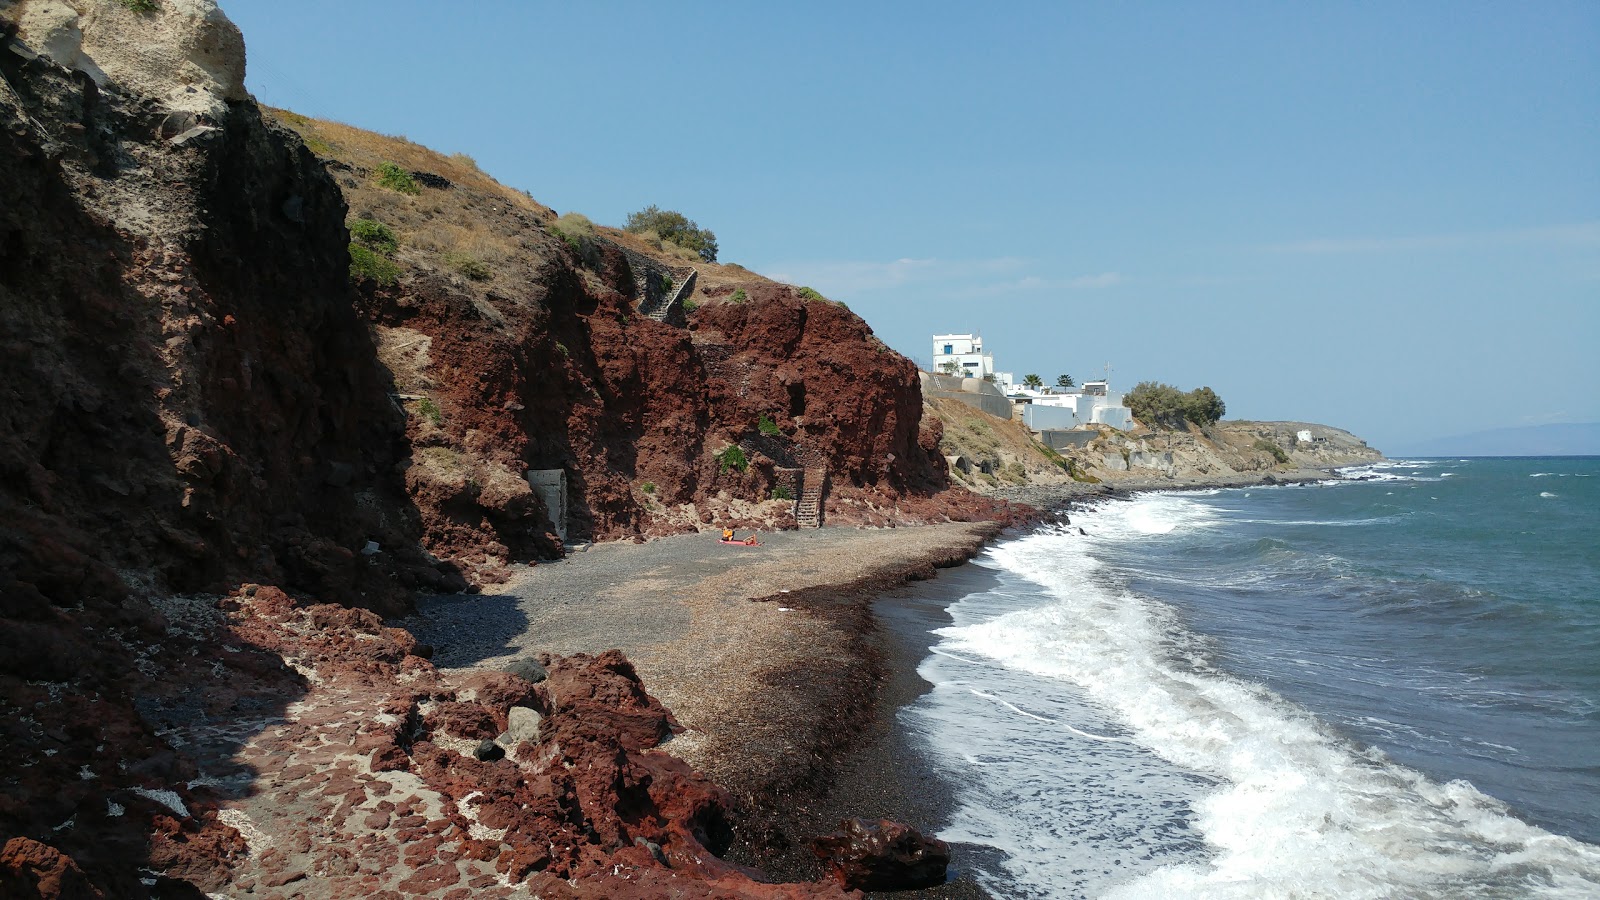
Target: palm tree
(1064, 381)
(1032, 382)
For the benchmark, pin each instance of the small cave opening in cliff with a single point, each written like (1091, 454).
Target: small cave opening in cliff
(797, 398)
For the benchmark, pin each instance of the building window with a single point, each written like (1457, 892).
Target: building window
(949, 348)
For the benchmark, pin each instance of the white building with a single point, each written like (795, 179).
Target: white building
(1093, 404)
(963, 354)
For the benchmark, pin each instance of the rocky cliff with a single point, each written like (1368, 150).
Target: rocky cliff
(993, 455)
(198, 395)
(515, 345)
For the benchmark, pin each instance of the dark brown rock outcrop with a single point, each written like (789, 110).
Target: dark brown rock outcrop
(883, 856)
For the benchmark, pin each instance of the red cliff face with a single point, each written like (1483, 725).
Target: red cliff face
(196, 395)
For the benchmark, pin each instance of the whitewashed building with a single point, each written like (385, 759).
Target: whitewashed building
(1093, 404)
(963, 355)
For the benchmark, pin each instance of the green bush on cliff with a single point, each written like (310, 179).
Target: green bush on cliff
(813, 294)
(739, 296)
(782, 492)
(732, 458)
(575, 229)
(674, 228)
(430, 410)
(766, 426)
(1273, 449)
(395, 178)
(366, 263)
(375, 235)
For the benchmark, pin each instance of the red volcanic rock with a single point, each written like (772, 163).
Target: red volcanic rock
(31, 869)
(602, 694)
(883, 856)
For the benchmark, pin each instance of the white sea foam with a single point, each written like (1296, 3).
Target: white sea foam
(1296, 810)
(1547, 494)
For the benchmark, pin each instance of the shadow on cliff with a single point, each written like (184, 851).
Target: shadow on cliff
(180, 415)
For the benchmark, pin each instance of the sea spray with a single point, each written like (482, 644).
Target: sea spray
(1106, 746)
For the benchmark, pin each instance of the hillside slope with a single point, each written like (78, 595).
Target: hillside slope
(993, 455)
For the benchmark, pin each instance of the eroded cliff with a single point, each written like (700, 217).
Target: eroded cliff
(198, 396)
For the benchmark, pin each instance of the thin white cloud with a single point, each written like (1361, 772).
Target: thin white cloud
(1035, 283)
(1581, 234)
(1095, 282)
(844, 277)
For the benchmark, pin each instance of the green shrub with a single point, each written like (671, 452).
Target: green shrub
(649, 487)
(1153, 402)
(674, 227)
(690, 305)
(395, 178)
(739, 296)
(575, 229)
(782, 492)
(365, 263)
(667, 284)
(375, 235)
(767, 427)
(1269, 447)
(562, 349)
(732, 458)
(811, 294)
(469, 266)
(430, 410)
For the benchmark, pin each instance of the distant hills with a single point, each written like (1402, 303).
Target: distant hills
(1565, 439)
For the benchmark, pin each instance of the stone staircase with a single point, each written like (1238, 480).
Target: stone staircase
(649, 279)
(808, 508)
(670, 308)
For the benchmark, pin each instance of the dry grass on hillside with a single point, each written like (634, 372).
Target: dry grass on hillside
(466, 229)
(1005, 445)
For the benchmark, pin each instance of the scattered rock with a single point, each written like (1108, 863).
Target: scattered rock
(489, 751)
(522, 725)
(527, 668)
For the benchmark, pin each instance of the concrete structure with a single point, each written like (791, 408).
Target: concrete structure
(1058, 440)
(1041, 416)
(974, 392)
(551, 486)
(1094, 404)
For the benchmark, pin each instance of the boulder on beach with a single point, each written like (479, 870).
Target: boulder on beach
(883, 856)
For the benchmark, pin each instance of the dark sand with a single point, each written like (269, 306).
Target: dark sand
(785, 663)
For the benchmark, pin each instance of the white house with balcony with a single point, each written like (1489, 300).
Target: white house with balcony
(963, 355)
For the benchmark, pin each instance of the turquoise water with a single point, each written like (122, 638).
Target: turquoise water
(1387, 685)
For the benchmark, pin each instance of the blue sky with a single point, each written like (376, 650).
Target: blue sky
(1380, 216)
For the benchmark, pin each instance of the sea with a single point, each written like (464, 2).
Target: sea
(1386, 684)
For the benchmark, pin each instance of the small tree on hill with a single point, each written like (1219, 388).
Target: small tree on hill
(1032, 382)
(1202, 406)
(1064, 381)
(675, 227)
(1155, 403)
